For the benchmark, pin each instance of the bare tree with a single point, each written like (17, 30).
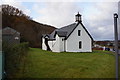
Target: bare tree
(10, 10)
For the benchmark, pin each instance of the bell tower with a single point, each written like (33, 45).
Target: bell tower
(78, 18)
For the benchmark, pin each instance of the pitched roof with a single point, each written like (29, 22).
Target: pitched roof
(61, 33)
(8, 30)
(44, 35)
(66, 31)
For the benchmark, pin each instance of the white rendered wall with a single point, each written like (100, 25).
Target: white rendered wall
(43, 44)
(72, 43)
(51, 44)
(61, 42)
(56, 46)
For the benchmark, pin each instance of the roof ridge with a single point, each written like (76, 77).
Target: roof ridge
(67, 25)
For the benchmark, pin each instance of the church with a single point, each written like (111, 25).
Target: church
(70, 38)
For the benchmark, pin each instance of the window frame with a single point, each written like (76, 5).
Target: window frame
(79, 32)
(80, 44)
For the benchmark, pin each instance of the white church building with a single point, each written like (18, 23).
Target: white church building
(71, 38)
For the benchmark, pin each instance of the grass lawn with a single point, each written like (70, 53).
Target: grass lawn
(45, 64)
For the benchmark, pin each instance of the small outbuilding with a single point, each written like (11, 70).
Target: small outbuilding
(11, 36)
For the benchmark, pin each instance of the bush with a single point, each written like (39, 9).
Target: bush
(14, 57)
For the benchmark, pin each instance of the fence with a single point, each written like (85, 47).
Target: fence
(1, 66)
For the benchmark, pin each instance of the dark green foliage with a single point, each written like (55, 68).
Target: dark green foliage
(14, 57)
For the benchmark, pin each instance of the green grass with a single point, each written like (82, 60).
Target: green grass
(45, 64)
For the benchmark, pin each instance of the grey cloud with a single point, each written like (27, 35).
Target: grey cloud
(101, 25)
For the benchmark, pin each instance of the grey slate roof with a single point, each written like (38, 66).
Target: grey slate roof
(66, 31)
(63, 32)
(68, 28)
(44, 35)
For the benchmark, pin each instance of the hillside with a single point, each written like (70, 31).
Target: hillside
(30, 30)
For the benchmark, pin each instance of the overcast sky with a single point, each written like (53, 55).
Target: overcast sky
(97, 17)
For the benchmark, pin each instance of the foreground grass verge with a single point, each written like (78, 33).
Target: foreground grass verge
(45, 64)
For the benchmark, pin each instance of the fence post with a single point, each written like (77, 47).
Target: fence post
(1, 65)
(116, 42)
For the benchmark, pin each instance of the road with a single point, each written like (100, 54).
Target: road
(111, 50)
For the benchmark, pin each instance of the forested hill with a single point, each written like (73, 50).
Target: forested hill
(30, 30)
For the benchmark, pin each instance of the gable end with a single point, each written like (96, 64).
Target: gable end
(83, 27)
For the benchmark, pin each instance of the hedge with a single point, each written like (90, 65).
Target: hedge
(14, 57)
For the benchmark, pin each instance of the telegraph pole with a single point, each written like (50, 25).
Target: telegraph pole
(116, 42)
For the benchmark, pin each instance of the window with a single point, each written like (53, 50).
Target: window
(80, 44)
(16, 38)
(79, 32)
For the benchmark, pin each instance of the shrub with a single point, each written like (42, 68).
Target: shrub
(14, 57)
